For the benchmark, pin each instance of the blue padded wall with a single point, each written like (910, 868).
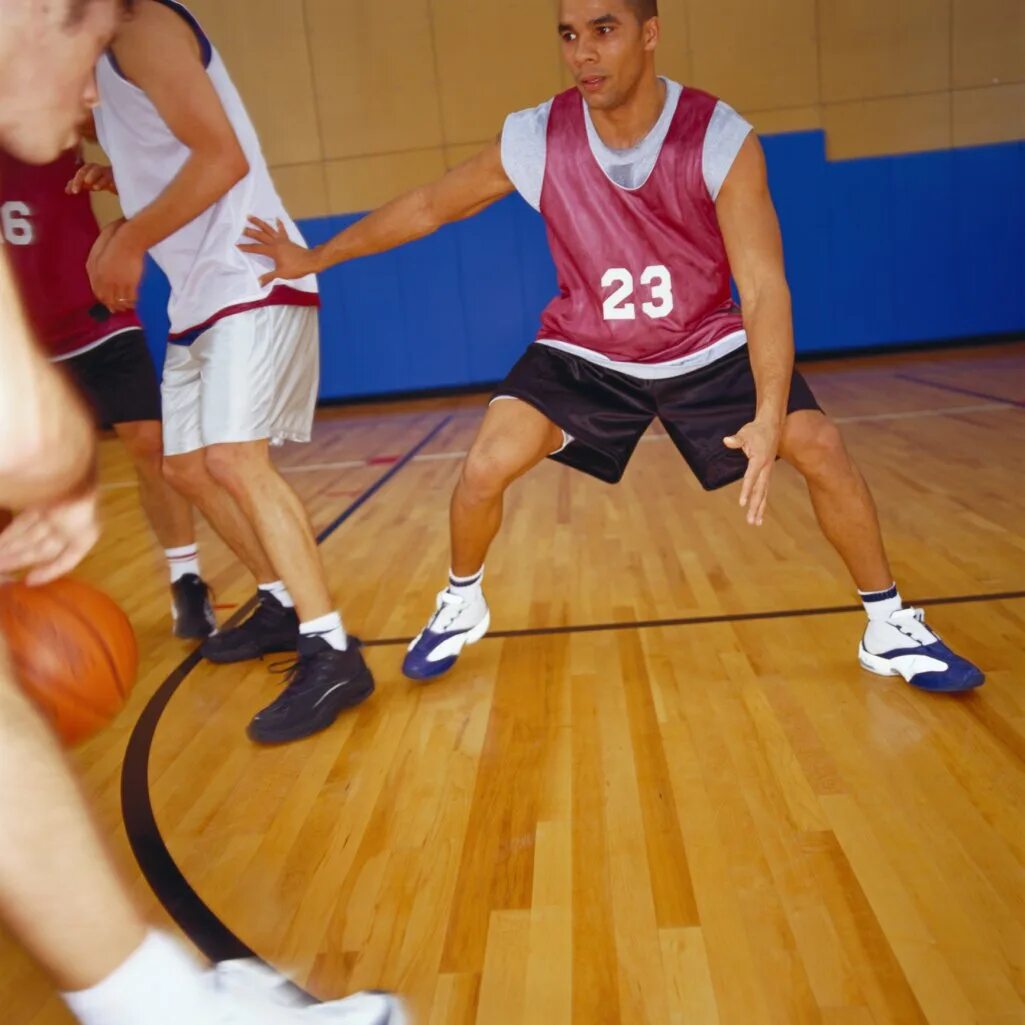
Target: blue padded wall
(879, 251)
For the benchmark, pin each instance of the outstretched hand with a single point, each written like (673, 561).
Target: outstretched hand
(291, 260)
(759, 441)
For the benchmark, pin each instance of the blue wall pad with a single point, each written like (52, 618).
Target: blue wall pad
(880, 251)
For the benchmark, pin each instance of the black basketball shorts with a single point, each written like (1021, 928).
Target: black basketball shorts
(117, 379)
(604, 412)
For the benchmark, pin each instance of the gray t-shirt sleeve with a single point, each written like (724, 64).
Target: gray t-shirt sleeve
(525, 151)
(726, 134)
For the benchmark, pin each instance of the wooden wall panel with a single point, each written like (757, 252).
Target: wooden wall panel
(789, 119)
(493, 58)
(883, 48)
(264, 44)
(374, 72)
(996, 114)
(303, 189)
(756, 55)
(364, 183)
(988, 42)
(675, 56)
(904, 124)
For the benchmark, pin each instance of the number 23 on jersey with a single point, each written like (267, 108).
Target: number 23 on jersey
(657, 286)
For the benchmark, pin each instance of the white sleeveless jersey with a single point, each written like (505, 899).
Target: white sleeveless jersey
(208, 274)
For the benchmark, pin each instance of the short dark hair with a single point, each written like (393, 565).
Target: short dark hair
(644, 9)
(77, 9)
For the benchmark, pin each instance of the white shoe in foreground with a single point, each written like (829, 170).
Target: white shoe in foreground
(250, 993)
(904, 646)
(457, 622)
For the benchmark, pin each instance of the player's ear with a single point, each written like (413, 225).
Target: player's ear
(651, 33)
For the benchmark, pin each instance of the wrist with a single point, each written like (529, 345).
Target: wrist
(128, 238)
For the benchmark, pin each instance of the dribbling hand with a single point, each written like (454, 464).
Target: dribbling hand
(50, 540)
(291, 260)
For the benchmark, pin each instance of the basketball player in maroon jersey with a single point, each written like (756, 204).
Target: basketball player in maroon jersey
(49, 234)
(652, 194)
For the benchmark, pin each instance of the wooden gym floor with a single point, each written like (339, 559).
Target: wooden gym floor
(662, 792)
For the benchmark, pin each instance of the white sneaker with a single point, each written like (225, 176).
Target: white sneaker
(904, 646)
(457, 622)
(250, 993)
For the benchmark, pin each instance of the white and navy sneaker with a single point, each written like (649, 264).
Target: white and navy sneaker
(457, 622)
(904, 646)
(249, 993)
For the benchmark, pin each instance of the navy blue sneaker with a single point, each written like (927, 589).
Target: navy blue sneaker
(456, 623)
(904, 646)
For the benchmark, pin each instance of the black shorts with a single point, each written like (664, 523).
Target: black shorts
(118, 380)
(605, 412)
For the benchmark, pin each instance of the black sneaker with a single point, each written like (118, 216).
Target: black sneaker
(321, 685)
(193, 611)
(272, 628)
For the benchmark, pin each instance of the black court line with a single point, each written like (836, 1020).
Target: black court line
(165, 878)
(961, 391)
(737, 617)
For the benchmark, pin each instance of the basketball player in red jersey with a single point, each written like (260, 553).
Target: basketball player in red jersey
(652, 194)
(49, 235)
(60, 896)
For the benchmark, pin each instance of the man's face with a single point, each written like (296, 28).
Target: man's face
(606, 48)
(48, 85)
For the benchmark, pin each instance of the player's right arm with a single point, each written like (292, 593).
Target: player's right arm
(464, 191)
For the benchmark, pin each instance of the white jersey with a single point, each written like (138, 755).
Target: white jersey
(209, 276)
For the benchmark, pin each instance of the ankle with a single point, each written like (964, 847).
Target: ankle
(466, 586)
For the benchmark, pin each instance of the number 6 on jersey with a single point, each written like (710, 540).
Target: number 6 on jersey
(658, 281)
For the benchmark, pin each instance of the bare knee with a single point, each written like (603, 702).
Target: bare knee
(490, 468)
(144, 442)
(238, 467)
(187, 474)
(813, 444)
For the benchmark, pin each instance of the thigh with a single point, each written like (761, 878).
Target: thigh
(181, 391)
(517, 434)
(700, 410)
(602, 414)
(118, 379)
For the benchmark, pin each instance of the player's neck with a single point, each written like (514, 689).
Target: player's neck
(626, 125)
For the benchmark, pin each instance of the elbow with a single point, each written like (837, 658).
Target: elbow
(235, 166)
(769, 292)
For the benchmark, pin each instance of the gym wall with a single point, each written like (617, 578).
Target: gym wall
(893, 130)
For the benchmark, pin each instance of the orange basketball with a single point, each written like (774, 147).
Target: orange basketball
(73, 650)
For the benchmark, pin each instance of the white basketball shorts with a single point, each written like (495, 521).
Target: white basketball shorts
(249, 377)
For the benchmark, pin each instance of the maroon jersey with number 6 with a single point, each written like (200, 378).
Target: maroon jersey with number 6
(47, 237)
(643, 273)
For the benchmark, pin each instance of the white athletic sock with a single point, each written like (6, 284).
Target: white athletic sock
(467, 587)
(182, 561)
(280, 592)
(880, 605)
(160, 984)
(329, 627)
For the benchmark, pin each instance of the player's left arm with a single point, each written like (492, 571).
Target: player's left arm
(754, 246)
(158, 52)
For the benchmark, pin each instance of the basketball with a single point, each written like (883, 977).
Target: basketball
(73, 650)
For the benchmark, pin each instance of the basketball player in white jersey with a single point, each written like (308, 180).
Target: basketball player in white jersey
(60, 896)
(652, 194)
(242, 366)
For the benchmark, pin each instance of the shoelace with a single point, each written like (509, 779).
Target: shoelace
(447, 602)
(911, 623)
